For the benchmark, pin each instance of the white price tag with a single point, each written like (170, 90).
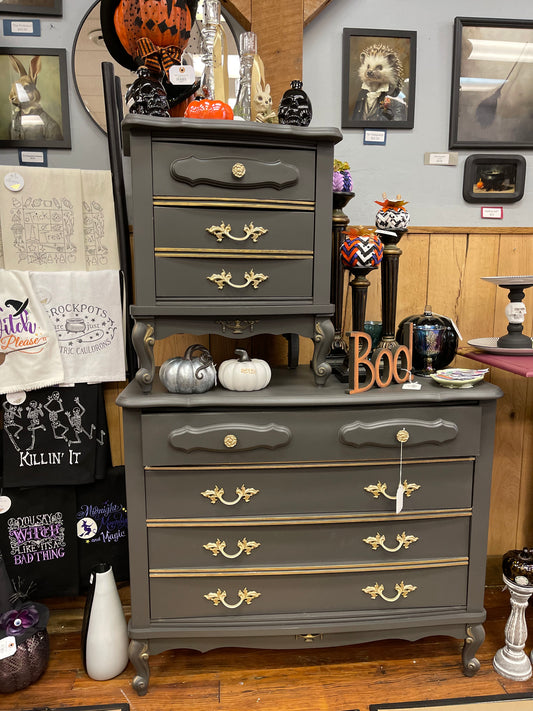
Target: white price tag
(5, 504)
(399, 497)
(412, 386)
(16, 398)
(8, 647)
(180, 74)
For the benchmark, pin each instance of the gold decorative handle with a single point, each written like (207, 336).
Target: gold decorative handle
(217, 494)
(223, 230)
(402, 590)
(245, 595)
(379, 488)
(225, 278)
(379, 540)
(230, 441)
(402, 436)
(219, 546)
(238, 170)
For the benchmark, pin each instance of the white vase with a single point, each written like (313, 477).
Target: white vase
(105, 632)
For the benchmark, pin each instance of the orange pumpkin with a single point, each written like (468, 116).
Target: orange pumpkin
(208, 109)
(165, 22)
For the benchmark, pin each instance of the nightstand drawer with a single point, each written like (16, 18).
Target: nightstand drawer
(289, 232)
(360, 434)
(246, 277)
(307, 592)
(208, 170)
(289, 490)
(221, 546)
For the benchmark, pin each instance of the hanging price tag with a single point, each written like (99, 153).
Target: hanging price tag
(181, 74)
(8, 647)
(399, 497)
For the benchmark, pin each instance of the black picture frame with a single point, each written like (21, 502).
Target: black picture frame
(44, 120)
(492, 102)
(32, 7)
(393, 108)
(494, 178)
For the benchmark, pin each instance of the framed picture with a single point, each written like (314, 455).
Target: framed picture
(32, 7)
(492, 101)
(491, 178)
(378, 78)
(34, 111)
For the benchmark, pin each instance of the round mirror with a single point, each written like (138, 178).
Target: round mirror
(89, 51)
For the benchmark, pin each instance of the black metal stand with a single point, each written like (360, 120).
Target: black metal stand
(389, 285)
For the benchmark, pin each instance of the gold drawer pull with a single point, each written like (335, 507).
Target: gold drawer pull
(219, 546)
(379, 488)
(402, 436)
(217, 494)
(379, 540)
(308, 637)
(230, 441)
(238, 170)
(402, 590)
(225, 278)
(223, 230)
(245, 595)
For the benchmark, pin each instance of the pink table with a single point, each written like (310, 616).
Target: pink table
(519, 364)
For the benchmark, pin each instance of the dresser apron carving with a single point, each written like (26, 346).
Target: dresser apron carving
(268, 518)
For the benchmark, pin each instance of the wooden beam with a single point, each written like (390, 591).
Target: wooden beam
(278, 25)
(241, 10)
(312, 8)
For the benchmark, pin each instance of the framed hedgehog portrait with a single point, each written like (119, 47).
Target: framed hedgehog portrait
(378, 78)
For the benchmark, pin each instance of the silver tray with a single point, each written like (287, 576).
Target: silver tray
(489, 345)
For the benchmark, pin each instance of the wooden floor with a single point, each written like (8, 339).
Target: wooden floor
(337, 679)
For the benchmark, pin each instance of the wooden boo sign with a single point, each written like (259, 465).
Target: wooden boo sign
(384, 365)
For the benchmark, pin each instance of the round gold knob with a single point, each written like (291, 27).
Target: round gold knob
(402, 435)
(230, 441)
(238, 170)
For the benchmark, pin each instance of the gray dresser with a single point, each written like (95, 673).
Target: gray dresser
(231, 232)
(268, 519)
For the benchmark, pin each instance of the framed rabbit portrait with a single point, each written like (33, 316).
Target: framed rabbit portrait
(32, 7)
(34, 110)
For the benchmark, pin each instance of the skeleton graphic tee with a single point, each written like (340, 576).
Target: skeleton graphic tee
(58, 435)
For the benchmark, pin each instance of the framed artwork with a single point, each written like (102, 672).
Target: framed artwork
(378, 78)
(491, 178)
(34, 110)
(492, 75)
(32, 7)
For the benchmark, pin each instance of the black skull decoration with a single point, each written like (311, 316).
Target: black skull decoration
(295, 107)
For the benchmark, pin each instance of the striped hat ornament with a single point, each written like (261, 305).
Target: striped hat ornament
(392, 215)
(342, 179)
(361, 248)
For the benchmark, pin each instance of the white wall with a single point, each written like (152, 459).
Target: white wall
(434, 192)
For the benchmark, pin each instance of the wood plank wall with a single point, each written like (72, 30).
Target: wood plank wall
(443, 268)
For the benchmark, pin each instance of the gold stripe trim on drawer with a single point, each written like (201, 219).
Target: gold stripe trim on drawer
(305, 570)
(303, 463)
(176, 253)
(306, 520)
(170, 201)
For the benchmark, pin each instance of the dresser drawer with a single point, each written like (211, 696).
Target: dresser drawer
(207, 229)
(172, 597)
(208, 170)
(224, 278)
(185, 494)
(358, 434)
(248, 545)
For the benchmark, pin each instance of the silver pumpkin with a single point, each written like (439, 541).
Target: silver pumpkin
(189, 374)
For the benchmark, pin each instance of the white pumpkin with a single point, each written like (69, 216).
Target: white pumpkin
(244, 373)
